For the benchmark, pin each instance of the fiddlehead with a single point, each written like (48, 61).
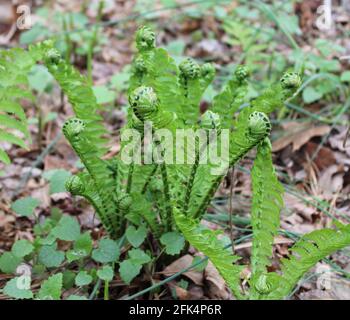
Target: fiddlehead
(79, 93)
(145, 39)
(190, 86)
(144, 103)
(75, 186)
(207, 74)
(74, 130)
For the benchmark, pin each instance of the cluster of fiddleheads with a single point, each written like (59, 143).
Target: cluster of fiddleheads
(173, 197)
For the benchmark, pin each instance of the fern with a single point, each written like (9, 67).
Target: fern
(170, 197)
(306, 252)
(266, 205)
(206, 241)
(14, 67)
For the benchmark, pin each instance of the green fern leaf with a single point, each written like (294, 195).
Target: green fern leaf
(206, 241)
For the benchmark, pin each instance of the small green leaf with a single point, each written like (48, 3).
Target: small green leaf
(51, 288)
(136, 237)
(138, 256)
(108, 251)
(50, 257)
(22, 248)
(40, 79)
(68, 229)
(106, 273)
(9, 262)
(311, 95)
(82, 248)
(83, 279)
(103, 94)
(14, 290)
(129, 270)
(24, 207)
(345, 76)
(173, 242)
(68, 279)
(57, 179)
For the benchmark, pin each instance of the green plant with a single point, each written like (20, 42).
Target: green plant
(169, 199)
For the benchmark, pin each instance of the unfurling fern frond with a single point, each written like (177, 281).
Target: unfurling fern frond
(15, 64)
(267, 202)
(206, 241)
(242, 140)
(80, 95)
(232, 97)
(191, 92)
(75, 130)
(305, 253)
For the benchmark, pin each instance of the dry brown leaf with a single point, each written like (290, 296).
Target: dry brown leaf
(324, 158)
(217, 285)
(299, 136)
(330, 182)
(5, 219)
(182, 263)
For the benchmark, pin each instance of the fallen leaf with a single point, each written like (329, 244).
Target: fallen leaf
(182, 263)
(216, 284)
(298, 135)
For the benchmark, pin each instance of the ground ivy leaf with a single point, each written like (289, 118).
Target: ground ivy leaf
(106, 273)
(108, 251)
(50, 257)
(24, 207)
(129, 270)
(136, 236)
(84, 243)
(83, 279)
(57, 179)
(9, 262)
(138, 256)
(67, 229)
(310, 95)
(22, 248)
(51, 288)
(13, 290)
(173, 242)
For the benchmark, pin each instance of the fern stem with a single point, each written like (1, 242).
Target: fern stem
(168, 206)
(149, 178)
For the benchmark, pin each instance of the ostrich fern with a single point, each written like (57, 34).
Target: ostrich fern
(173, 197)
